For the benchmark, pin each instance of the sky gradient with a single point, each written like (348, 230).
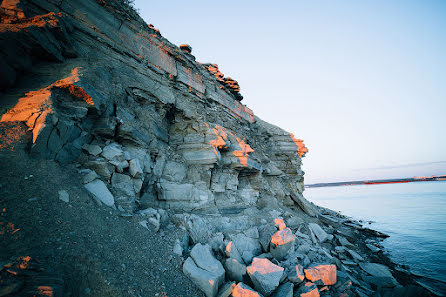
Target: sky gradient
(363, 83)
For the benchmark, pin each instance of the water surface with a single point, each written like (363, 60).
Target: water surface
(413, 214)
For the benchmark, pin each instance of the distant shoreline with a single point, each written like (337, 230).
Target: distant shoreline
(379, 181)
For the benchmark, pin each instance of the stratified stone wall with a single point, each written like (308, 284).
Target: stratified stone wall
(149, 124)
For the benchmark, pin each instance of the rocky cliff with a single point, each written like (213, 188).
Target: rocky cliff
(165, 140)
(159, 128)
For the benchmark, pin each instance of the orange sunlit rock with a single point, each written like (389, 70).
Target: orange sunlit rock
(24, 262)
(309, 290)
(301, 149)
(45, 291)
(323, 274)
(242, 290)
(12, 135)
(242, 154)
(279, 223)
(282, 237)
(263, 266)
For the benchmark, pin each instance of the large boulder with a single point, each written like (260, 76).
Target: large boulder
(204, 259)
(248, 247)
(265, 275)
(281, 243)
(321, 274)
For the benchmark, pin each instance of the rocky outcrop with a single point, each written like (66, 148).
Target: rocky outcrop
(158, 128)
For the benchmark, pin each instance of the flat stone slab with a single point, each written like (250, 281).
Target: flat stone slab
(100, 192)
(265, 275)
(380, 275)
(322, 274)
(320, 234)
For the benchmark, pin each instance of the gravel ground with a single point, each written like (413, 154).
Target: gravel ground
(80, 248)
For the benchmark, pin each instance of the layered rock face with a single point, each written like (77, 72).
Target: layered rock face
(149, 124)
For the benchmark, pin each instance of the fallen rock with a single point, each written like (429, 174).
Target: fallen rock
(63, 195)
(322, 274)
(100, 192)
(135, 169)
(205, 260)
(265, 275)
(226, 289)
(380, 275)
(285, 290)
(307, 290)
(204, 280)
(89, 176)
(235, 270)
(355, 256)
(248, 247)
(231, 251)
(177, 249)
(252, 233)
(281, 243)
(242, 290)
(92, 149)
(320, 234)
(296, 274)
(265, 234)
(373, 248)
(112, 151)
(279, 223)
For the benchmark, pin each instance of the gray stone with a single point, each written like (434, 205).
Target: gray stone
(204, 259)
(231, 251)
(265, 234)
(177, 249)
(89, 176)
(177, 192)
(380, 274)
(92, 149)
(155, 223)
(248, 247)
(343, 241)
(355, 256)
(373, 248)
(235, 270)
(308, 289)
(63, 195)
(198, 228)
(282, 242)
(112, 151)
(174, 171)
(100, 192)
(135, 169)
(243, 290)
(206, 281)
(137, 185)
(320, 234)
(296, 274)
(120, 165)
(252, 233)
(101, 167)
(216, 242)
(265, 275)
(226, 289)
(122, 184)
(285, 290)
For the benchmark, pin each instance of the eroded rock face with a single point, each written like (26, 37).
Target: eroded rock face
(127, 101)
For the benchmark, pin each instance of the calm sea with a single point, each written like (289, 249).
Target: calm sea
(413, 214)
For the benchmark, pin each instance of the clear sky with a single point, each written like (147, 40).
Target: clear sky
(362, 82)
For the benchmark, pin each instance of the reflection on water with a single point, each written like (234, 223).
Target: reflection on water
(413, 214)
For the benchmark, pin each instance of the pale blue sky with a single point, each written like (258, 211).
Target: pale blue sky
(362, 82)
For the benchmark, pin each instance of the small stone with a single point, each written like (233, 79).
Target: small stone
(320, 234)
(296, 274)
(307, 290)
(279, 223)
(226, 290)
(242, 290)
(92, 149)
(235, 270)
(373, 248)
(112, 151)
(232, 252)
(135, 169)
(64, 196)
(285, 290)
(144, 224)
(32, 199)
(177, 249)
(155, 223)
(186, 48)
